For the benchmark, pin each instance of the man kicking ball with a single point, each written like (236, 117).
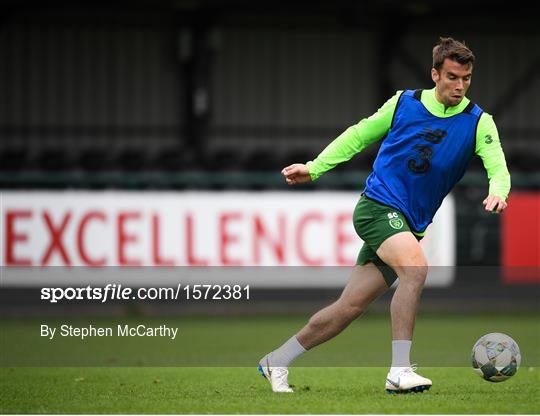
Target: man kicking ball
(429, 137)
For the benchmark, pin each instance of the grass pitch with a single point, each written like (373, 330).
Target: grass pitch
(328, 380)
(243, 390)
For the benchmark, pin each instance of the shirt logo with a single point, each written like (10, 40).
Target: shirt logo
(396, 223)
(488, 139)
(421, 161)
(432, 136)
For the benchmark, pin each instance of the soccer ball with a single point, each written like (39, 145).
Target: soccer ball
(496, 357)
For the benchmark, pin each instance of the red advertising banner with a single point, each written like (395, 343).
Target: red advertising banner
(521, 238)
(195, 229)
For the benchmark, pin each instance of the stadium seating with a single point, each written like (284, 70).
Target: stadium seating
(13, 159)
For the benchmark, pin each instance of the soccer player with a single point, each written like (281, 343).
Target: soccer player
(428, 138)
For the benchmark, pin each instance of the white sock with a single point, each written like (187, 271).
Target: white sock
(284, 355)
(401, 350)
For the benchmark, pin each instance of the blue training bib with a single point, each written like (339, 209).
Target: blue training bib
(421, 159)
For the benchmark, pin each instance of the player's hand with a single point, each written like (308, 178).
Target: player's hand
(296, 173)
(495, 204)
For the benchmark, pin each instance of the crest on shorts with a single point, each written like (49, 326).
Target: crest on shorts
(396, 223)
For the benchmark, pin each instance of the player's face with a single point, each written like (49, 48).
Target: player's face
(452, 81)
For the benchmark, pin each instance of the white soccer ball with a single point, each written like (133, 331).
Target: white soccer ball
(496, 357)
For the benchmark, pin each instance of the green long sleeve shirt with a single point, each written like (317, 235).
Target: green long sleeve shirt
(357, 137)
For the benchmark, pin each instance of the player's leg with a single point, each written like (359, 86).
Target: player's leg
(365, 284)
(403, 253)
(388, 234)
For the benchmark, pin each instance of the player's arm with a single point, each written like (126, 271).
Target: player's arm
(488, 147)
(352, 141)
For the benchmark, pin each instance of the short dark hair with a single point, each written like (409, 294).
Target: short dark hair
(451, 49)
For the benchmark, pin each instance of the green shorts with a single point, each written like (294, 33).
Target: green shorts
(374, 223)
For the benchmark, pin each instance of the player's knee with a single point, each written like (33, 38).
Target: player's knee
(415, 275)
(351, 310)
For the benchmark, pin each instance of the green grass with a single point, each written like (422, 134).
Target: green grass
(441, 340)
(242, 390)
(211, 368)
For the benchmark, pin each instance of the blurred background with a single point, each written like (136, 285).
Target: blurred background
(135, 87)
(218, 96)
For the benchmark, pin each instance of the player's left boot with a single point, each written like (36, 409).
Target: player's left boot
(276, 376)
(407, 381)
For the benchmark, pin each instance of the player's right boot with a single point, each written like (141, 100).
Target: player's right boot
(276, 376)
(407, 381)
